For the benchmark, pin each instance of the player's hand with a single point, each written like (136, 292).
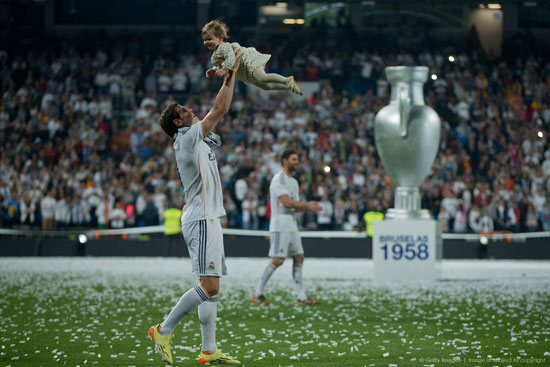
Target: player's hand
(210, 73)
(238, 57)
(220, 73)
(314, 206)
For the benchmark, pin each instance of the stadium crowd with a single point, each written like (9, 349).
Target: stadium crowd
(80, 147)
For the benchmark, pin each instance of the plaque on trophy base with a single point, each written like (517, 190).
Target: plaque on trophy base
(406, 251)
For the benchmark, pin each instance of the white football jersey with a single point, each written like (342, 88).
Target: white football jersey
(198, 170)
(282, 219)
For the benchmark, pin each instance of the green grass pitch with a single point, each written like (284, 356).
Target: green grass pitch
(96, 312)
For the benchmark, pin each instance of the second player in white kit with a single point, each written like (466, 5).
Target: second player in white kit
(283, 229)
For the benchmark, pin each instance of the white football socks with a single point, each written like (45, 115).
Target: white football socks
(297, 275)
(269, 269)
(187, 303)
(207, 318)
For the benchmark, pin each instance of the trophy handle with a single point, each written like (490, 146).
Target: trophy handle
(404, 108)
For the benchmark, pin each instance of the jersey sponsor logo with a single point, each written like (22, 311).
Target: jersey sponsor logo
(211, 266)
(211, 156)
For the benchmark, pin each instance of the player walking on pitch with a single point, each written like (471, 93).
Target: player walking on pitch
(283, 230)
(200, 222)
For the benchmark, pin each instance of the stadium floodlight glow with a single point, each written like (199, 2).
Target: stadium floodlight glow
(326, 169)
(293, 21)
(494, 6)
(82, 238)
(434, 77)
(483, 240)
(540, 134)
(451, 58)
(281, 5)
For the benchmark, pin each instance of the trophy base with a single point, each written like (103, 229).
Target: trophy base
(394, 213)
(406, 251)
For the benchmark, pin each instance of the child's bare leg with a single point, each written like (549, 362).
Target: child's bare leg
(260, 75)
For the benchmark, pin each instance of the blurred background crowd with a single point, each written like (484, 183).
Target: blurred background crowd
(80, 147)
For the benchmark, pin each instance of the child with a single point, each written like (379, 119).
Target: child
(214, 35)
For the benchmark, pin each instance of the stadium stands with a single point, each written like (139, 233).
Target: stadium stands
(79, 145)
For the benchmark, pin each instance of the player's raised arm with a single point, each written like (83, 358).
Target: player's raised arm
(300, 205)
(224, 97)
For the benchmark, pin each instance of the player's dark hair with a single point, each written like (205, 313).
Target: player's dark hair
(166, 119)
(287, 153)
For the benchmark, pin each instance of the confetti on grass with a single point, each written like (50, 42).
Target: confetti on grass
(96, 312)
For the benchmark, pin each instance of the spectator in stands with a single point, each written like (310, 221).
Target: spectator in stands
(499, 214)
(461, 220)
(444, 219)
(513, 217)
(117, 216)
(62, 214)
(250, 211)
(473, 219)
(352, 215)
(486, 222)
(27, 211)
(324, 217)
(532, 218)
(339, 214)
(47, 208)
(150, 214)
(12, 214)
(103, 212)
(545, 217)
(141, 203)
(92, 195)
(79, 213)
(450, 204)
(241, 189)
(539, 199)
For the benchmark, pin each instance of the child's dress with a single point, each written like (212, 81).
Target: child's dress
(224, 58)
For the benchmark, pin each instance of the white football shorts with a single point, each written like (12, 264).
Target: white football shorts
(204, 240)
(283, 244)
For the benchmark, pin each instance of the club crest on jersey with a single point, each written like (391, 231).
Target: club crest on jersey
(211, 266)
(211, 156)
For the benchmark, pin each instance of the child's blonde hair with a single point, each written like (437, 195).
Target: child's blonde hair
(218, 29)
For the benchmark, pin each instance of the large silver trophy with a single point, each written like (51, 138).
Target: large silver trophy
(407, 134)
